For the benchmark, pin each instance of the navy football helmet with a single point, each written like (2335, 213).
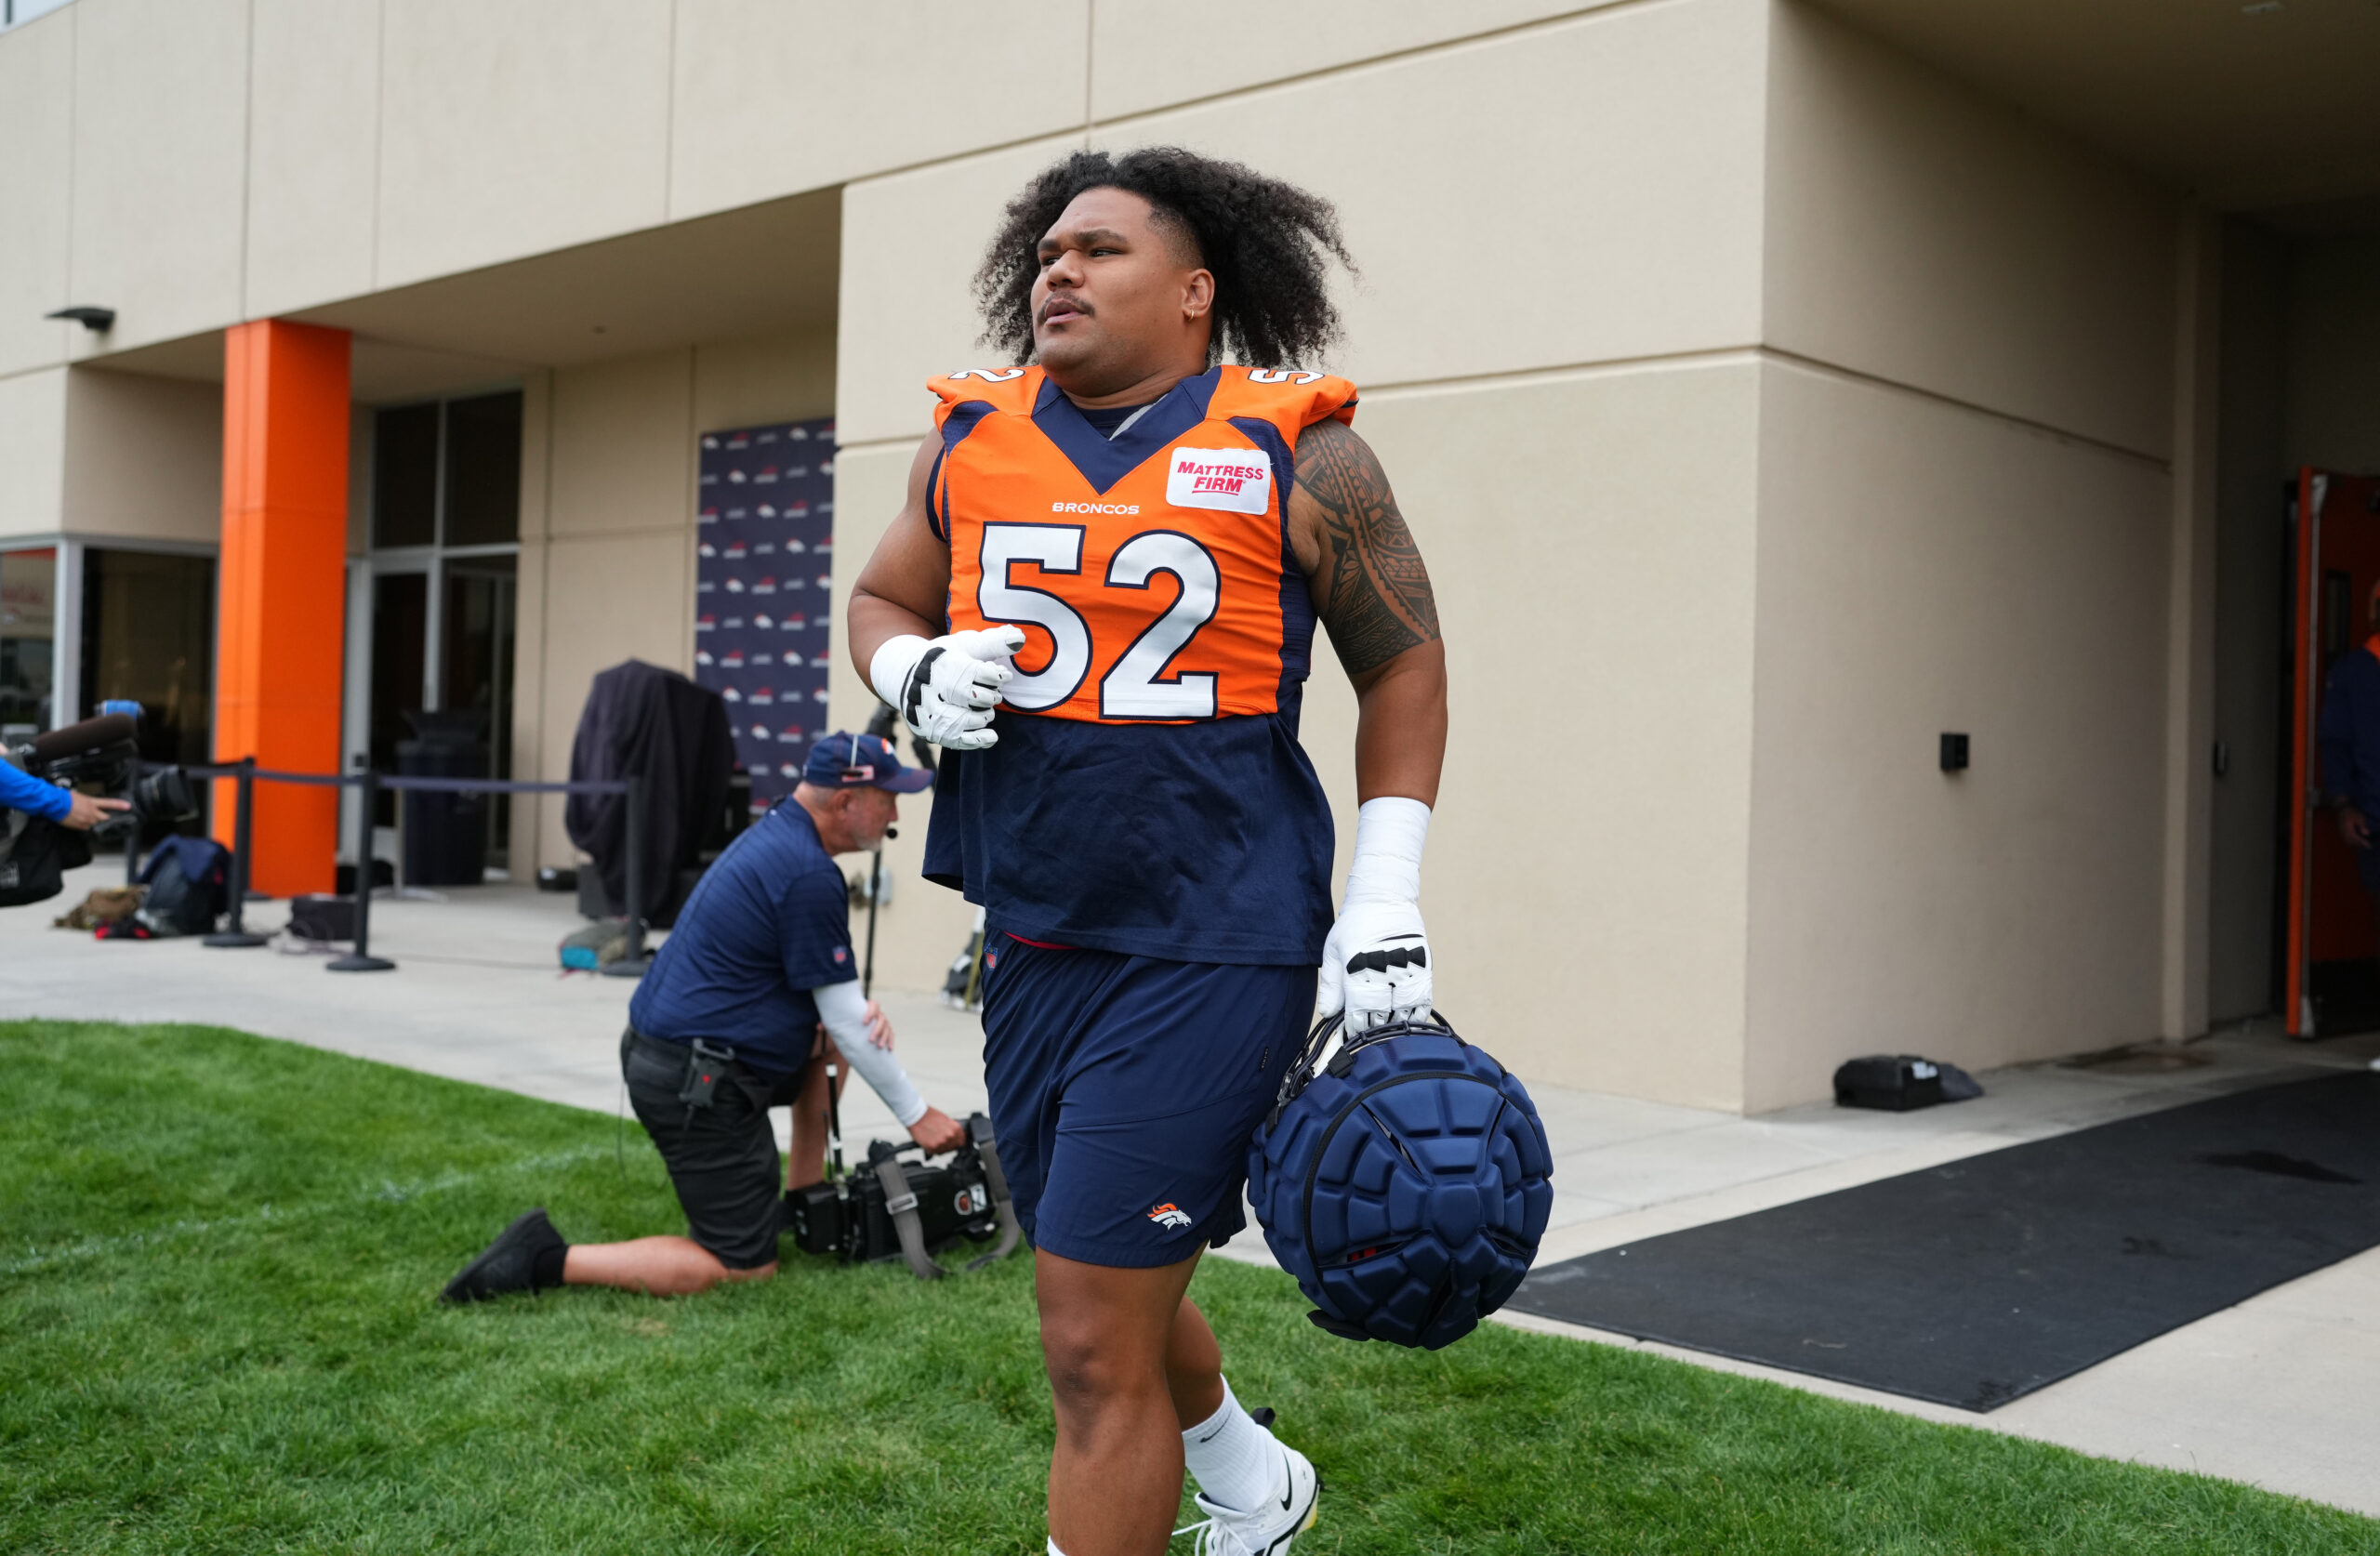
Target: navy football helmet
(1402, 1178)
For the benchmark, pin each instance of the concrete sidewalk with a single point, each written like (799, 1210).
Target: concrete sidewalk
(2278, 1391)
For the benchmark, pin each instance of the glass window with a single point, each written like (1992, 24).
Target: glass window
(484, 470)
(28, 625)
(15, 11)
(405, 476)
(149, 635)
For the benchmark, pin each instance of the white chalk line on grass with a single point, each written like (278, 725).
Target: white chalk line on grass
(388, 1192)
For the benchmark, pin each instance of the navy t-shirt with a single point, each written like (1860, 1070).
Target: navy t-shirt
(769, 921)
(2350, 730)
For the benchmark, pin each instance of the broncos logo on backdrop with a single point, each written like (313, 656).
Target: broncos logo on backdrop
(1169, 1215)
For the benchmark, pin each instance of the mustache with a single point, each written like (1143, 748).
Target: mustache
(1042, 317)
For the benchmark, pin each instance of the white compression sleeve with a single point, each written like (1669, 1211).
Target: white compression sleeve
(1387, 867)
(844, 1010)
(889, 671)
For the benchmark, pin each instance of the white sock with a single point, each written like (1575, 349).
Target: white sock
(1055, 1550)
(1233, 1460)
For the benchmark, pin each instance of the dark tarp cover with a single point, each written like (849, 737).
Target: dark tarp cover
(640, 717)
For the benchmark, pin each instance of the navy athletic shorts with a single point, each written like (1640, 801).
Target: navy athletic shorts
(1125, 1089)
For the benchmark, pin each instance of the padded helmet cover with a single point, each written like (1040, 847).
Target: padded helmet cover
(1404, 1183)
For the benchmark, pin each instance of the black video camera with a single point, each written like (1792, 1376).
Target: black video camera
(896, 1208)
(102, 754)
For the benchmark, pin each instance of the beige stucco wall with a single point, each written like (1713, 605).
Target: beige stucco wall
(32, 452)
(144, 457)
(1139, 64)
(315, 107)
(192, 163)
(228, 160)
(1929, 236)
(1927, 568)
(769, 99)
(100, 455)
(159, 117)
(607, 528)
(1968, 514)
(37, 190)
(1595, 198)
(1585, 887)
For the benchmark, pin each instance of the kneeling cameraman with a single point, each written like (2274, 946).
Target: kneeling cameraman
(752, 994)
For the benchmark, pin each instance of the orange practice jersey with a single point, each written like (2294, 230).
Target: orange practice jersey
(1152, 572)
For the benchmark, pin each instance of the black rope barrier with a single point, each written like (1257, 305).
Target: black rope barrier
(247, 774)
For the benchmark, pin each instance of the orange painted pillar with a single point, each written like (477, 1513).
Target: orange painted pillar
(282, 613)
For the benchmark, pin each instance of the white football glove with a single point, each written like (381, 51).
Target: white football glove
(1376, 964)
(946, 690)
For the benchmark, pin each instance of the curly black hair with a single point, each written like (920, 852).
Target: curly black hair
(1268, 244)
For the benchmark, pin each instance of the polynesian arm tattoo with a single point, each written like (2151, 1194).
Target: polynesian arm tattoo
(1373, 592)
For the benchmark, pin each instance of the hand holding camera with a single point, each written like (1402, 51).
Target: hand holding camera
(88, 811)
(938, 1132)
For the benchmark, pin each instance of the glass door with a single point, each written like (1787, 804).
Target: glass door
(400, 659)
(476, 669)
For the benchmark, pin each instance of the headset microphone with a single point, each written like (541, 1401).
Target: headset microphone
(892, 832)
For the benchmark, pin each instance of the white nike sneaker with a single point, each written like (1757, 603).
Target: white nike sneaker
(1288, 1512)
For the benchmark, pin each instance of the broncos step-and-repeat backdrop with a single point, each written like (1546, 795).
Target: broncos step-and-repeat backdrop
(764, 580)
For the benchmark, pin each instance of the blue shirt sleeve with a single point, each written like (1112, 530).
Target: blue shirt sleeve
(2335, 737)
(2349, 732)
(21, 791)
(814, 930)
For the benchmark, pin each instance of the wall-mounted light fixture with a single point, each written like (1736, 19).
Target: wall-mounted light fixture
(99, 321)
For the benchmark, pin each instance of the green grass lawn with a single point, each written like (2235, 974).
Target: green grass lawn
(219, 1256)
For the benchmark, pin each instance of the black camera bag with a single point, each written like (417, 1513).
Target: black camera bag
(189, 880)
(909, 1209)
(35, 853)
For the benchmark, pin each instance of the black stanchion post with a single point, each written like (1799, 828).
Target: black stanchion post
(361, 959)
(633, 964)
(242, 815)
(875, 888)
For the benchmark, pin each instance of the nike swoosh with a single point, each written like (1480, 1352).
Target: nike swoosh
(1292, 1488)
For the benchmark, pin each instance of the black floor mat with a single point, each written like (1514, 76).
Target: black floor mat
(1981, 1280)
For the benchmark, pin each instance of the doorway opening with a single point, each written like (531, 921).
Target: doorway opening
(2333, 939)
(2293, 927)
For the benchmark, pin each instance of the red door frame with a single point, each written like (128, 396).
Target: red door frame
(2305, 784)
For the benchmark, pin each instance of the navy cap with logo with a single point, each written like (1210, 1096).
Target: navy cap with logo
(842, 761)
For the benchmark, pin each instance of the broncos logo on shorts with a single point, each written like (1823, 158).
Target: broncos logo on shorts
(1169, 1215)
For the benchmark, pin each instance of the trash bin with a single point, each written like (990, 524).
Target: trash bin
(443, 836)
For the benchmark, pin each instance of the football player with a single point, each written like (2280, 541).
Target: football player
(1099, 597)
